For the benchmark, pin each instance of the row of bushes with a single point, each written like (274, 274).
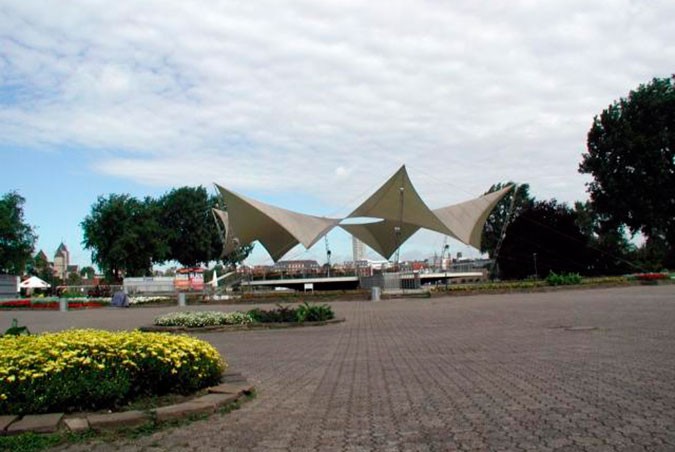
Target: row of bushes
(79, 370)
(552, 279)
(563, 279)
(281, 314)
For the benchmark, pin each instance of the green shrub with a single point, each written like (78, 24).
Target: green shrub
(563, 279)
(281, 314)
(314, 313)
(90, 369)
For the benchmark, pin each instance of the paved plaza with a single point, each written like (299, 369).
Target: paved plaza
(590, 370)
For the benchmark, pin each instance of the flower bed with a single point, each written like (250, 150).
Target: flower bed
(652, 276)
(143, 300)
(50, 304)
(203, 318)
(90, 369)
(282, 314)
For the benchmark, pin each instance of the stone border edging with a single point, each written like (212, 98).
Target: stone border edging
(234, 388)
(230, 328)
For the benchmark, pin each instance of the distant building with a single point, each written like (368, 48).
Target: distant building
(61, 261)
(358, 249)
(9, 286)
(470, 265)
(297, 266)
(41, 256)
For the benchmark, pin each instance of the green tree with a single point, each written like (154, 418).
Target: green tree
(610, 252)
(544, 238)
(495, 222)
(631, 156)
(124, 236)
(17, 238)
(40, 267)
(191, 234)
(88, 272)
(651, 254)
(237, 256)
(74, 279)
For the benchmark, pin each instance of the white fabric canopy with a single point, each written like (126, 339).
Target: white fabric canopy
(382, 236)
(396, 204)
(467, 219)
(397, 200)
(34, 283)
(277, 229)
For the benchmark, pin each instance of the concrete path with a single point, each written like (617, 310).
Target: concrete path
(590, 370)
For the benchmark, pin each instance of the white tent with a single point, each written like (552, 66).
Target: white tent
(277, 229)
(398, 208)
(467, 219)
(34, 283)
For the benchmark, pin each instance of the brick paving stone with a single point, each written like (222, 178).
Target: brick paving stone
(5, 421)
(232, 388)
(114, 421)
(38, 423)
(216, 400)
(183, 410)
(76, 424)
(457, 373)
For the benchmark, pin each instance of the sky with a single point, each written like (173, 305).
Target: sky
(310, 105)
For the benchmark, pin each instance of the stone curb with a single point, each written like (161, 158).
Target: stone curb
(228, 328)
(234, 388)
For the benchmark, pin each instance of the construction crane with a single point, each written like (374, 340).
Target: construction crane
(328, 253)
(507, 220)
(445, 250)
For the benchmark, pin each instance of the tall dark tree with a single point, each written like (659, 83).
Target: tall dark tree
(191, 233)
(17, 238)
(124, 236)
(631, 156)
(543, 238)
(651, 255)
(610, 251)
(495, 222)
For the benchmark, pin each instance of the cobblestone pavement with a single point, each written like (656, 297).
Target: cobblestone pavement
(588, 370)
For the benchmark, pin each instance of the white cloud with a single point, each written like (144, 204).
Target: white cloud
(305, 96)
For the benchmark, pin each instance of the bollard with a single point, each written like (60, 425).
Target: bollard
(375, 294)
(181, 299)
(63, 305)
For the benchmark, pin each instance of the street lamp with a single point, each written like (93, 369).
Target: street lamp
(536, 273)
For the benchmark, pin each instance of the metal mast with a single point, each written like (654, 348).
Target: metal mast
(503, 232)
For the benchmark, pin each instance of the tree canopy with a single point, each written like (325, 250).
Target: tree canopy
(40, 266)
(610, 251)
(191, 235)
(631, 157)
(127, 236)
(545, 237)
(17, 238)
(124, 235)
(495, 222)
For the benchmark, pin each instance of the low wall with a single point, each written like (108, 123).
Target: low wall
(9, 286)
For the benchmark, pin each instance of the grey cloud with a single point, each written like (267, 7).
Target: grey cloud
(282, 94)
